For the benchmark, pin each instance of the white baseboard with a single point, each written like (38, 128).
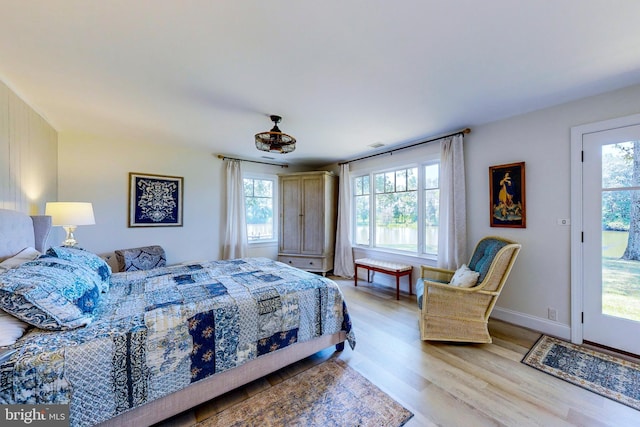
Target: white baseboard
(532, 322)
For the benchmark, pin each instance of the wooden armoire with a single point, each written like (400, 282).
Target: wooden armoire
(308, 208)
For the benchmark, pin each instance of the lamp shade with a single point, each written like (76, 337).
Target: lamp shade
(70, 213)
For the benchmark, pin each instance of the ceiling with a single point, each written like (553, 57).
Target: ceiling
(342, 74)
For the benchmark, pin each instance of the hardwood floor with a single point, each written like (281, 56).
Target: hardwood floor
(445, 384)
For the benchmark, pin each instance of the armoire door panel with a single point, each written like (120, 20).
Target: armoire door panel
(313, 212)
(291, 216)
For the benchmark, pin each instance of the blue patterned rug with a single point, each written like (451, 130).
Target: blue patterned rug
(606, 375)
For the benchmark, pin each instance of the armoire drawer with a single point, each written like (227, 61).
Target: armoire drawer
(304, 263)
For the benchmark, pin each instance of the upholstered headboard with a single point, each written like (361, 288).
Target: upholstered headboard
(19, 230)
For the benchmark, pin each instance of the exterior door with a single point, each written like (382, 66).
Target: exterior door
(611, 240)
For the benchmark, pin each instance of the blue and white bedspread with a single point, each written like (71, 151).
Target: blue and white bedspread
(158, 331)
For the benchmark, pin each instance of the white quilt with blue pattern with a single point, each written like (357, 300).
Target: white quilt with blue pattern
(158, 331)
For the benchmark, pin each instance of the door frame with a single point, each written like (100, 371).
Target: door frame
(577, 261)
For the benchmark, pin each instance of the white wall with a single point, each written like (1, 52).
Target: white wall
(28, 156)
(96, 170)
(541, 276)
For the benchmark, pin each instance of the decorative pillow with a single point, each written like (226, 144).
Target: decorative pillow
(51, 293)
(143, 258)
(86, 258)
(27, 254)
(11, 328)
(464, 277)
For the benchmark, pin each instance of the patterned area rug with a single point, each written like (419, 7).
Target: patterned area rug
(328, 394)
(609, 376)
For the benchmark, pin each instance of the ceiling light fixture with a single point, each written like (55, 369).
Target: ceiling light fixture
(275, 141)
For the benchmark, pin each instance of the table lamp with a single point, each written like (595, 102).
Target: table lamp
(69, 215)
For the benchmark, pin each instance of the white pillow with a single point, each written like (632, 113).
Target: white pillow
(27, 254)
(11, 328)
(464, 277)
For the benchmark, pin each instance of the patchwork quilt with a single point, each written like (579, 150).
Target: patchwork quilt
(157, 331)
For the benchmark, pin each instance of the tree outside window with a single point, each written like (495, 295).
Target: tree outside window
(396, 201)
(259, 195)
(431, 207)
(362, 195)
(392, 211)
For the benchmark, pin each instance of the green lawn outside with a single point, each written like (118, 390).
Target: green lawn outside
(620, 278)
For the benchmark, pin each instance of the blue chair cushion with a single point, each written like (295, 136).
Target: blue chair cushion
(484, 255)
(419, 291)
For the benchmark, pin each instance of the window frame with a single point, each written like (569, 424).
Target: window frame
(421, 190)
(275, 203)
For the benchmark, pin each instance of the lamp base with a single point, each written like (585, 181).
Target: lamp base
(70, 240)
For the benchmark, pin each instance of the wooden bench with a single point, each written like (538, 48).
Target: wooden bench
(394, 269)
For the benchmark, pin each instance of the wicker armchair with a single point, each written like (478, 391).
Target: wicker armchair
(450, 313)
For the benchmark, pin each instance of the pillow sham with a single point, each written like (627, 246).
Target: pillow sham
(85, 258)
(27, 254)
(11, 328)
(464, 277)
(51, 293)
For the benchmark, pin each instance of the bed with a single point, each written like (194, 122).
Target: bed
(135, 348)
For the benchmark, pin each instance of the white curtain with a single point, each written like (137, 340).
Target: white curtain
(343, 262)
(235, 240)
(452, 233)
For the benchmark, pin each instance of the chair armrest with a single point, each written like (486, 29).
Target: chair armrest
(451, 288)
(436, 274)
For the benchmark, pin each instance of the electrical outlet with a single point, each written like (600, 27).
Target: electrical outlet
(563, 221)
(552, 314)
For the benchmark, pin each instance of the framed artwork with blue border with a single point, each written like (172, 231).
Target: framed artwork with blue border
(155, 200)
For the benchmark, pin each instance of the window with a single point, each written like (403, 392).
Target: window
(362, 194)
(259, 196)
(431, 207)
(396, 200)
(401, 213)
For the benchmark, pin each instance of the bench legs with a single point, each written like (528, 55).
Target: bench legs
(397, 274)
(355, 276)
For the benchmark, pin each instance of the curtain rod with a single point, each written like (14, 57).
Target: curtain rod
(463, 131)
(221, 157)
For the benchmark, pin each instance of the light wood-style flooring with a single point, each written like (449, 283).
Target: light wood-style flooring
(445, 384)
